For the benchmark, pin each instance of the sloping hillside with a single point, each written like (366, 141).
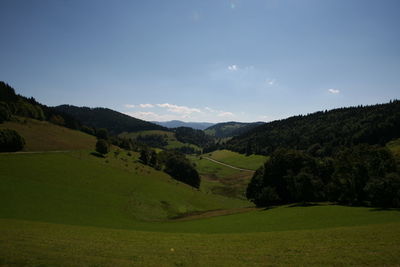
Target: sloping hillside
(112, 120)
(45, 136)
(78, 188)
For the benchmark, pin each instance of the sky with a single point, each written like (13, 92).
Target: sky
(203, 60)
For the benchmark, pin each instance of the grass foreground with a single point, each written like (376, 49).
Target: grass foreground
(27, 243)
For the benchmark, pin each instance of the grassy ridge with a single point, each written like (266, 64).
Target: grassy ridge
(252, 162)
(45, 136)
(33, 244)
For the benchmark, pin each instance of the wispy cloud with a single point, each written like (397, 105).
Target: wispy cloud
(334, 91)
(179, 109)
(271, 82)
(233, 67)
(210, 109)
(129, 106)
(146, 105)
(219, 113)
(225, 114)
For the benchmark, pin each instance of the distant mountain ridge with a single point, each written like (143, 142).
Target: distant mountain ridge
(231, 129)
(112, 120)
(177, 123)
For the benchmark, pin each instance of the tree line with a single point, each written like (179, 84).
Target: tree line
(324, 130)
(358, 175)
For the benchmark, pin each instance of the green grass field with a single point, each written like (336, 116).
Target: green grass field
(252, 162)
(375, 243)
(45, 136)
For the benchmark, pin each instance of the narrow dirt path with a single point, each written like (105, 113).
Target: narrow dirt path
(213, 213)
(227, 165)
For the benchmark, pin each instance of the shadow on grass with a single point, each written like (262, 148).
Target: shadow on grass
(96, 154)
(384, 209)
(306, 204)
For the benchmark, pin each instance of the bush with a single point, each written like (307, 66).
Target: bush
(102, 133)
(384, 191)
(10, 141)
(102, 146)
(87, 130)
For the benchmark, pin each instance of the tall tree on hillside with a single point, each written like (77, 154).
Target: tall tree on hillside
(102, 146)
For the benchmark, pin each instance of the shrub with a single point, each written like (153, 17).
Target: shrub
(102, 146)
(10, 141)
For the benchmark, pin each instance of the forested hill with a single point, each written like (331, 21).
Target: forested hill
(12, 104)
(114, 121)
(230, 129)
(325, 130)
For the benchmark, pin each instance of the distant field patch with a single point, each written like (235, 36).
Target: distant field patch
(252, 162)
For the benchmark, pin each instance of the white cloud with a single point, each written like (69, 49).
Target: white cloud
(179, 109)
(334, 91)
(146, 105)
(233, 67)
(129, 106)
(225, 114)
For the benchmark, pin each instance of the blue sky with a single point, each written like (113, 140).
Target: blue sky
(208, 60)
